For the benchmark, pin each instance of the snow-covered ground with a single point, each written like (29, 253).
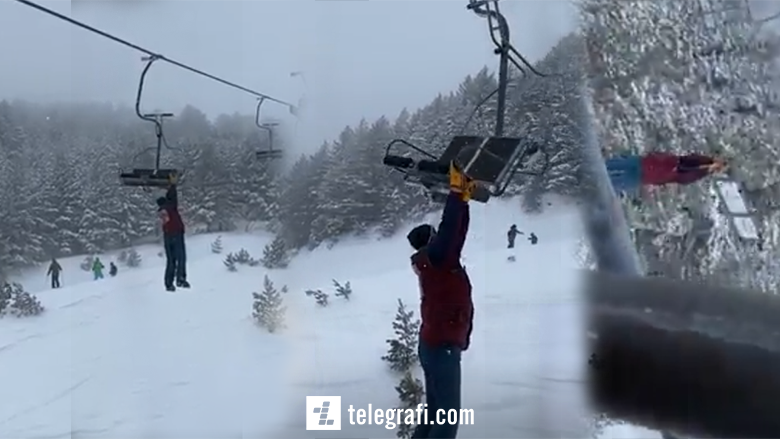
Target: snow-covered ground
(120, 357)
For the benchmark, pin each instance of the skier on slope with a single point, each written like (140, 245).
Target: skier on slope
(629, 173)
(54, 271)
(97, 269)
(533, 238)
(112, 269)
(446, 307)
(173, 238)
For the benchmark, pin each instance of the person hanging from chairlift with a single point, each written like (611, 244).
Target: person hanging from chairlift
(446, 307)
(173, 238)
(629, 173)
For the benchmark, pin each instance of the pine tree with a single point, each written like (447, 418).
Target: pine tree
(216, 246)
(275, 254)
(342, 290)
(14, 300)
(402, 351)
(133, 258)
(242, 257)
(410, 393)
(319, 297)
(122, 258)
(230, 262)
(268, 309)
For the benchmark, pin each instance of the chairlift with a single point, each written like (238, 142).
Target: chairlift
(156, 176)
(491, 161)
(270, 153)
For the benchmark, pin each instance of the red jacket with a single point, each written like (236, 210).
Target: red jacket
(171, 221)
(445, 289)
(659, 168)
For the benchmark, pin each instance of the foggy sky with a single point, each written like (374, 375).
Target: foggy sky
(361, 58)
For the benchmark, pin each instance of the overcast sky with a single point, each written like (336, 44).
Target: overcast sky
(361, 58)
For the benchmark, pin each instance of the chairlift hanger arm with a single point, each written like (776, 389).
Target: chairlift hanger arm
(150, 53)
(503, 41)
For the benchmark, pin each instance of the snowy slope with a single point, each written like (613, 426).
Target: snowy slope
(121, 358)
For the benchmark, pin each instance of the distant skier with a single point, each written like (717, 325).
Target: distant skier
(629, 173)
(97, 268)
(54, 271)
(511, 235)
(173, 238)
(112, 269)
(446, 307)
(533, 238)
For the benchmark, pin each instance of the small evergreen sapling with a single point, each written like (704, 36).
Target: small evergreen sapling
(216, 246)
(133, 258)
(243, 257)
(122, 257)
(320, 297)
(268, 309)
(14, 300)
(402, 351)
(275, 254)
(410, 393)
(230, 262)
(342, 290)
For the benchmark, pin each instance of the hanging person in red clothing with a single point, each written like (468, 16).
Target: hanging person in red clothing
(445, 305)
(173, 238)
(629, 173)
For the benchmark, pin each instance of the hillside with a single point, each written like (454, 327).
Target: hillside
(120, 357)
(704, 80)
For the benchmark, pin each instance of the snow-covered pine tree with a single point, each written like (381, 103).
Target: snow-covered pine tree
(275, 254)
(342, 290)
(402, 350)
(242, 257)
(410, 393)
(320, 297)
(122, 258)
(230, 262)
(14, 300)
(216, 246)
(268, 308)
(133, 258)
(5, 296)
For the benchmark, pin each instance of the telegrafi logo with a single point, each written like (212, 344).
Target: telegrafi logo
(323, 413)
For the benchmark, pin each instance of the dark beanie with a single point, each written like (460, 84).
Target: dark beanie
(420, 236)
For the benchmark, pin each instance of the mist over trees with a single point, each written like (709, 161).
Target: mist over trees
(683, 77)
(61, 195)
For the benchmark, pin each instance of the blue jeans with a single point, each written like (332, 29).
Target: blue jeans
(441, 367)
(625, 173)
(175, 259)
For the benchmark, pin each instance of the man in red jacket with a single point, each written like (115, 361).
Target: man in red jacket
(173, 239)
(445, 306)
(628, 173)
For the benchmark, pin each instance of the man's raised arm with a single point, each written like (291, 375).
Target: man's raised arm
(172, 195)
(446, 247)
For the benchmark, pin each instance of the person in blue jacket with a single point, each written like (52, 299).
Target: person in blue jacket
(446, 307)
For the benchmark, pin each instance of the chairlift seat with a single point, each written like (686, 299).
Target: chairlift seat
(269, 154)
(148, 177)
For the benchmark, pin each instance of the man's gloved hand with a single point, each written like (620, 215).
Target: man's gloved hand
(461, 183)
(173, 179)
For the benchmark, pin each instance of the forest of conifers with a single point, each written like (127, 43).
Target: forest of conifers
(61, 195)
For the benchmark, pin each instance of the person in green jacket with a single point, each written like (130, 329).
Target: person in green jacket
(97, 269)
